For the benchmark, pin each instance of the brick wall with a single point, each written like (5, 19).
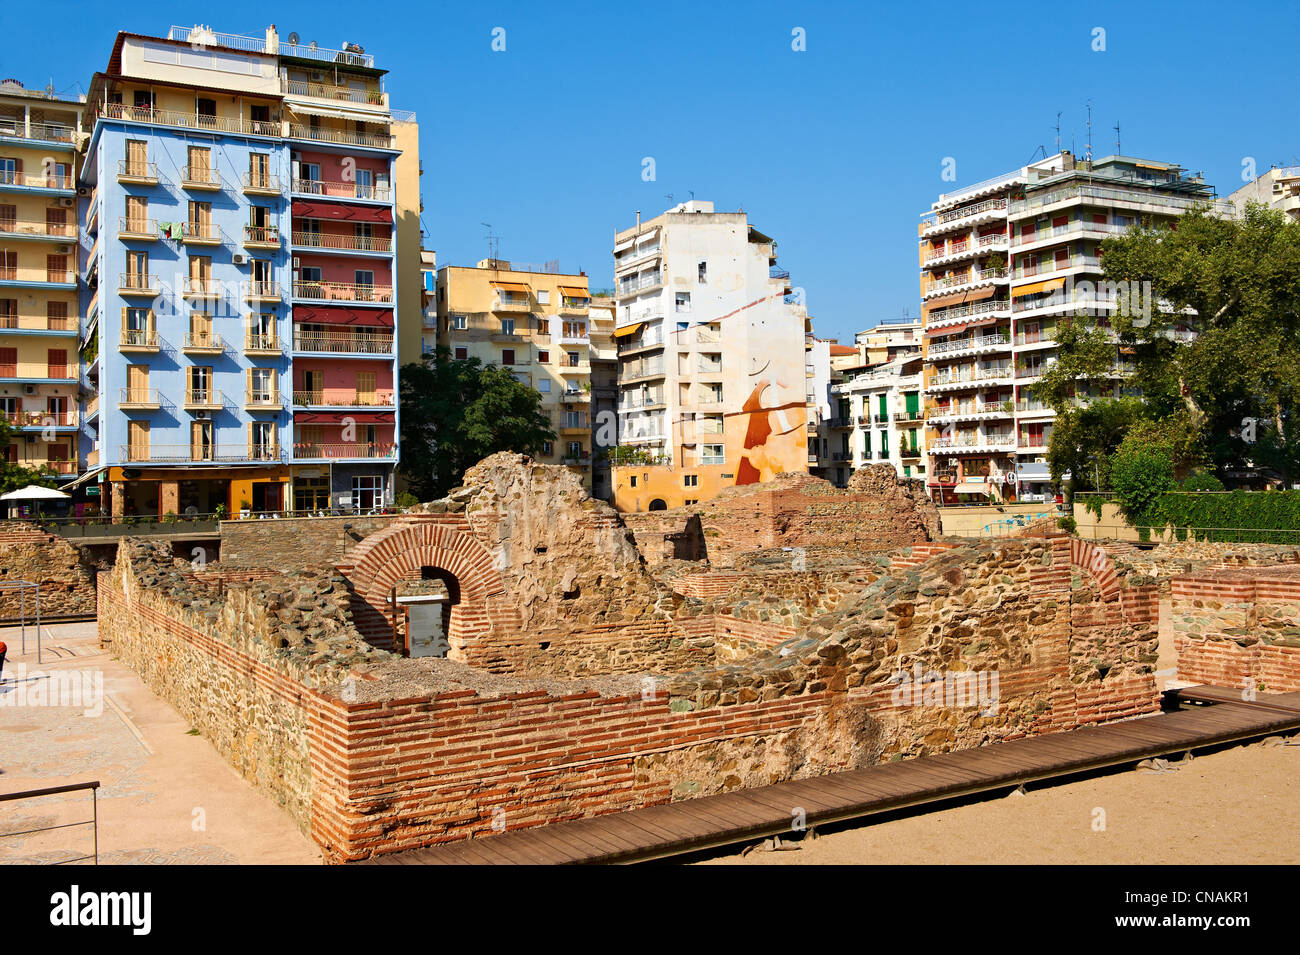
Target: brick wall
(65, 574)
(295, 543)
(1239, 628)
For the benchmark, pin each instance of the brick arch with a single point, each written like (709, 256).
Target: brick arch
(400, 550)
(1093, 559)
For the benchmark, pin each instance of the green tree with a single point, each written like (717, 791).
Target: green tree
(1140, 474)
(14, 476)
(1227, 397)
(457, 411)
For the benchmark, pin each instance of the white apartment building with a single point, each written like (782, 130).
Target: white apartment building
(712, 386)
(880, 418)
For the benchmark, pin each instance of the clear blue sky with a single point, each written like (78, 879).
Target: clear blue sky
(834, 151)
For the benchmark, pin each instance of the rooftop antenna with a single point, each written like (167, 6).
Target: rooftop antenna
(1058, 132)
(1088, 145)
(493, 242)
(1118, 149)
(669, 197)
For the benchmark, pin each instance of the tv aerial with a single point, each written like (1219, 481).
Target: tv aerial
(293, 39)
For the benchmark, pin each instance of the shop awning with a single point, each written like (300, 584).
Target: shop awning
(627, 330)
(332, 315)
(339, 210)
(972, 487)
(1034, 472)
(1051, 285)
(518, 287)
(336, 417)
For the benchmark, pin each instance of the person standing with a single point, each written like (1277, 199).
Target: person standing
(3, 650)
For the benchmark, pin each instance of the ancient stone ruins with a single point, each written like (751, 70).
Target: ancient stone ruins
(518, 653)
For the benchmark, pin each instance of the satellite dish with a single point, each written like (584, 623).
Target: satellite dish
(312, 46)
(293, 39)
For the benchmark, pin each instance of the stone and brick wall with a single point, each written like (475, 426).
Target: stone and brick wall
(65, 574)
(1239, 627)
(295, 543)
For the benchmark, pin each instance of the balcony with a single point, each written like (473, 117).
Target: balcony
(343, 292)
(964, 345)
(342, 399)
(330, 242)
(202, 343)
(974, 443)
(951, 316)
(198, 453)
(321, 134)
(370, 97)
(34, 229)
(907, 416)
(967, 376)
(635, 287)
(202, 233)
(839, 422)
(16, 127)
(185, 120)
(262, 345)
(140, 399)
(203, 399)
(261, 237)
(261, 184)
(200, 179)
(263, 401)
(38, 276)
(202, 288)
(571, 395)
(138, 341)
(40, 420)
(261, 291)
(138, 230)
(975, 277)
(581, 368)
(335, 189)
(965, 215)
(581, 461)
(500, 304)
(633, 371)
(20, 180)
(338, 343)
(315, 451)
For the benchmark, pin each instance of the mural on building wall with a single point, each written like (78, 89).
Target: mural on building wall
(773, 438)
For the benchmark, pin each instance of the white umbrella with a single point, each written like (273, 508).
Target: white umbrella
(33, 492)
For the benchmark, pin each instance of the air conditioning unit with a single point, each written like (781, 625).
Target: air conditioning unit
(65, 250)
(83, 190)
(67, 201)
(201, 415)
(31, 389)
(239, 258)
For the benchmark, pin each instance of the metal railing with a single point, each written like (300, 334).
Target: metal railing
(341, 292)
(46, 132)
(263, 399)
(342, 190)
(131, 226)
(325, 134)
(200, 37)
(202, 232)
(261, 235)
(258, 342)
(967, 344)
(204, 177)
(203, 341)
(263, 181)
(40, 419)
(1070, 228)
(334, 399)
(93, 821)
(140, 397)
(329, 91)
(937, 220)
(644, 282)
(203, 398)
(262, 290)
(138, 338)
(945, 315)
(201, 286)
(349, 243)
(1176, 204)
(56, 276)
(9, 177)
(135, 169)
(360, 342)
(34, 227)
(312, 451)
(194, 454)
(170, 117)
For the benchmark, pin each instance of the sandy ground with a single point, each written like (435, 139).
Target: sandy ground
(165, 796)
(1236, 806)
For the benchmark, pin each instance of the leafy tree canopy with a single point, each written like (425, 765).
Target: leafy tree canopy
(457, 411)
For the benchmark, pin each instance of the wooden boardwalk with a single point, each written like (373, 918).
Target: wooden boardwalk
(750, 814)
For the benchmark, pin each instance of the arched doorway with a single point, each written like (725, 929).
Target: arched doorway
(658, 504)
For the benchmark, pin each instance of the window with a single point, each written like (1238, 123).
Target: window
(704, 272)
(137, 382)
(632, 480)
(462, 352)
(56, 316)
(547, 448)
(57, 363)
(690, 480)
(691, 500)
(311, 494)
(259, 170)
(200, 160)
(137, 440)
(543, 296)
(8, 313)
(137, 326)
(574, 359)
(507, 326)
(459, 322)
(137, 157)
(544, 326)
(8, 362)
(544, 357)
(683, 301)
(507, 356)
(201, 448)
(544, 386)
(712, 454)
(365, 184)
(261, 440)
(367, 492)
(575, 450)
(366, 384)
(199, 378)
(200, 222)
(261, 385)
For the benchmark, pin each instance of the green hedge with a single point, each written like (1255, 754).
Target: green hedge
(1215, 516)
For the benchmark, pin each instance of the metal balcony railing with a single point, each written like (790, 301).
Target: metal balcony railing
(140, 397)
(9, 177)
(138, 170)
(40, 419)
(254, 341)
(341, 399)
(262, 289)
(131, 226)
(324, 134)
(195, 453)
(263, 399)
(48, 275)
(46, 132)
(200, 177)
(184, 120)
(342, 292)
(203, 398)
(138, 338)
(335, 189)
(347, 94)
(14, 226)
(314, 451)
(203, 341)
(261, 182)
(261, 235)
(348, 243)
(368, 343)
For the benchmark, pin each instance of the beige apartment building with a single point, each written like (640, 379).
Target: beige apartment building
(537, 324)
